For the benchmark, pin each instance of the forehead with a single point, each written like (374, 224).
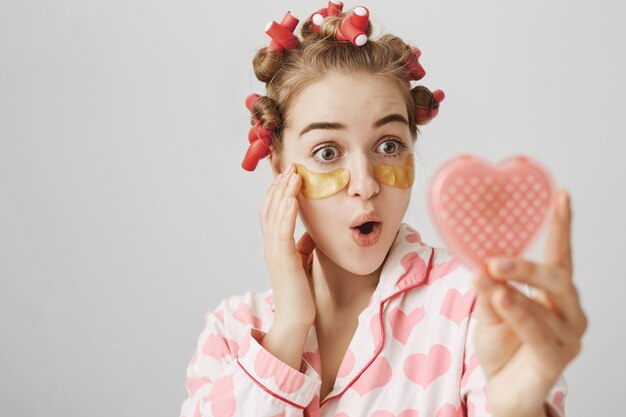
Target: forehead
(349, 99)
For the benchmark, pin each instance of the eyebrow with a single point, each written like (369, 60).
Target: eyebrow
(338, 126)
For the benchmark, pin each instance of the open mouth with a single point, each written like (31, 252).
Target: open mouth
(366, 228)
(367, 234)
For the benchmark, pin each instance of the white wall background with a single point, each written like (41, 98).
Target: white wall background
(125, 214)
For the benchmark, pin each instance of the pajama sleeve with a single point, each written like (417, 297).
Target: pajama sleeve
(473, 384)
(228, 377)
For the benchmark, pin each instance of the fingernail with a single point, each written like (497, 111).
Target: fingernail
(278, 177)
(292, 178)
(501, 265)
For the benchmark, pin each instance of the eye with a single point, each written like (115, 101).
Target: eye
(325, 155)
(392, 148)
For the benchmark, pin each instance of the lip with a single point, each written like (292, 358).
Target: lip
(369, 239)
(372, 216)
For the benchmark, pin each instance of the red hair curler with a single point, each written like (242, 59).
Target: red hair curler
(423, 116)
(353, 27)
(414, 70)
(282, 33)
(250, 100)
(259, 148)
(260, 140)
(334, 8)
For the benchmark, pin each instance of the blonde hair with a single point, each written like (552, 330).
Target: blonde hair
(288, 72)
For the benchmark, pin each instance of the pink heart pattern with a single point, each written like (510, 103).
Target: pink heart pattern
(456, 306)
(423, 369)
(415, 267)
(222, 399)
(244, 314)
(193, 384)
(441, 270)
(218, 347)
(404, 413)
(448, 410)
(482, 210)
(413, 236)
(402, 324)
(559, 397)
(378, 374)
(245, 345)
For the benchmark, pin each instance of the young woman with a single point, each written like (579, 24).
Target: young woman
(363, 318)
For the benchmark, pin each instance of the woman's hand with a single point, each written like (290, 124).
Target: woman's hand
(524, 343)
(286, 262)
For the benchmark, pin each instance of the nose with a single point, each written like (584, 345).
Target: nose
(362, 181)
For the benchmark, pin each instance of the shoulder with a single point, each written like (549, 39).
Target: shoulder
(250, 301)
(240, 312)
(437, 264)
(447, 271)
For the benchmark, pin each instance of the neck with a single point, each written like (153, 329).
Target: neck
(337, 290)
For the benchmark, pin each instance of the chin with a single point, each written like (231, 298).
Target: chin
(364, 268)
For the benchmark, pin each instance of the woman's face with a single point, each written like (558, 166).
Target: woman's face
(346, 109)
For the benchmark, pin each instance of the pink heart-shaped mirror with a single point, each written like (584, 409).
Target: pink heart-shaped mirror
(482, 210)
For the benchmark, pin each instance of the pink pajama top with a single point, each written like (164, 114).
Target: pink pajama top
(412, 354)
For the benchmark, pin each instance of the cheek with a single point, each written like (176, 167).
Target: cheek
(318, 215)
(395, 203)
(310, 209)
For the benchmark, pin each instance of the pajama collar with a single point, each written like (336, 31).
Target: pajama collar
(408, 266)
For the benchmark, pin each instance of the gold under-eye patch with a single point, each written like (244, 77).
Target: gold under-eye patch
(321, 185)
(400, 176)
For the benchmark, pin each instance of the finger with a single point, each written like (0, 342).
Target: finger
(305, 247)
(273, 218)
(558, 250)
(537, 329)
(266, 205)
(485, 287)
(553, 322)
(292, 186)
(553, 282)
(282, 235)
(559, 293)
(288, 215)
